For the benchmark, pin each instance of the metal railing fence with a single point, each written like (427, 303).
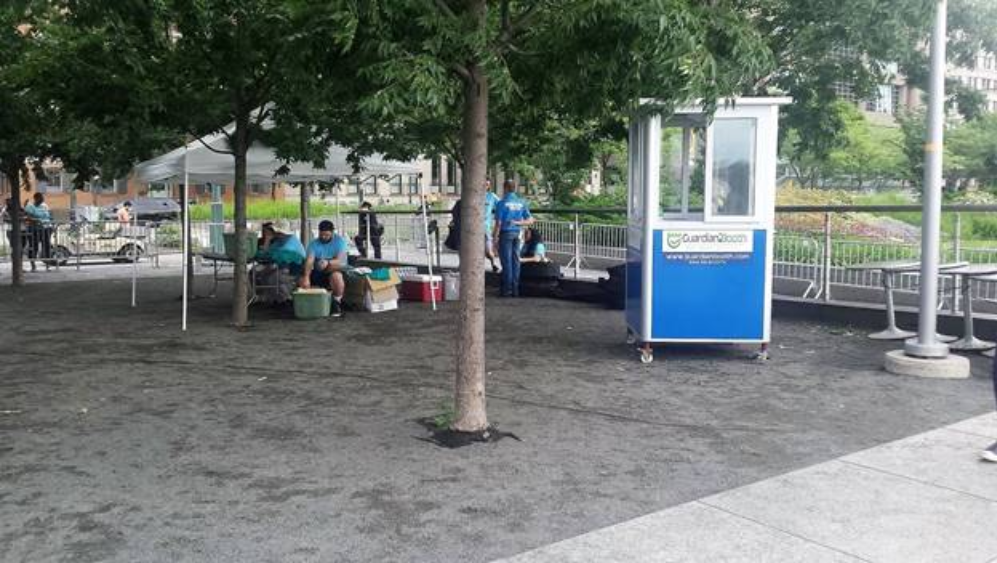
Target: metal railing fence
(816, 245)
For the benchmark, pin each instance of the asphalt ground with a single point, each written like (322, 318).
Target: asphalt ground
(125, 440)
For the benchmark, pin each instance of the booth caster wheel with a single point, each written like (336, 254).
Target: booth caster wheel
(646, 355)
(762, 355)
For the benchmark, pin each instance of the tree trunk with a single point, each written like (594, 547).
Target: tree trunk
(469, 386)
(306, 231)
(16, 227)
(240, 289)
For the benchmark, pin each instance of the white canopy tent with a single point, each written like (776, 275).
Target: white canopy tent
(204, 164)
(205, 161)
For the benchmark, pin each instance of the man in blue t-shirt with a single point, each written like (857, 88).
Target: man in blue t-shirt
(491, 200)
(324, 264)
(511, 215)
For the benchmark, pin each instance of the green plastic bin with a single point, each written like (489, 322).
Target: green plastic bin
(312, 304)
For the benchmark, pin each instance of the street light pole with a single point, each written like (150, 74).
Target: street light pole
(926, 345)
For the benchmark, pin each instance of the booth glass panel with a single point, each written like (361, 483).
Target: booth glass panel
(634, 176)
(682, 175)
(734, 168)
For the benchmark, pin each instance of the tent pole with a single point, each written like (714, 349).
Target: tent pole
(429, 250)
(186, 242)
(134, 252)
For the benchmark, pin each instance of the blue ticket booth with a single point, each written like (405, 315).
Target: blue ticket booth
(701, 209)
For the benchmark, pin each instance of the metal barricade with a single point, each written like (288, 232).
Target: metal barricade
(798, 257)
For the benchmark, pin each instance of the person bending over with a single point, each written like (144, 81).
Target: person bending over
(324, 264)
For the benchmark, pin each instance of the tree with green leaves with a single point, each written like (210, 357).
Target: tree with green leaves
(970, 150)
(870, 153)
(95, 64)
(23, 118)
(443, 68)
(235, 62)
(823, 46)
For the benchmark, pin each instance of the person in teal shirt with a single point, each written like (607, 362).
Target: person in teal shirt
(511, 215)
(38, 211)
(491, 200)
(39, 230)
(325, 262)
(534, 249)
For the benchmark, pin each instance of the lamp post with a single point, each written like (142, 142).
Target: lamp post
(924, 355)
(926, 344)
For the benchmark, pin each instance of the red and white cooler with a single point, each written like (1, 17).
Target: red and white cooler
(421, 287)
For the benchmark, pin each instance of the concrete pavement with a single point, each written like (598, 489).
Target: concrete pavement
(924, 498)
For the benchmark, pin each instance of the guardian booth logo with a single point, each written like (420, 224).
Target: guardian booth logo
(684, 242)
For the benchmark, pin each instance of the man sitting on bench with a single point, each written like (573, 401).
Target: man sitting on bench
(325, 263)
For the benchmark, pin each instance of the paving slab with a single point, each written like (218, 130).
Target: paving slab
(874, 515)
(689, 533)
(945, 458)
(985, 425)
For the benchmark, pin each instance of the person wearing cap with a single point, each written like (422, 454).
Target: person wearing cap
(370, 231)
(324, 264)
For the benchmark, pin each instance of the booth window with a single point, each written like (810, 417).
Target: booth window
(733, 168)
(682, 172)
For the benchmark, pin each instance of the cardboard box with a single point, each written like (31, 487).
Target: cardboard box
(382, 307)
(361, 289)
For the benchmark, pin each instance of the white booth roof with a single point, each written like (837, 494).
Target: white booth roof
(205, 165)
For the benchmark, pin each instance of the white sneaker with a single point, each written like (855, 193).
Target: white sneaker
(990, 454)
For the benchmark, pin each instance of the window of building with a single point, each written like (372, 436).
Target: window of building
(49, 181)
(434, 174)
(452, 183)
(845, 91)
(353, 185)
(159, 189)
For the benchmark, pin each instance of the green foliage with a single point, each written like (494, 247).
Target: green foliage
(168, 235)
(970, 150)
(445, 418)
(93, 64)
(560, 77)
(984, 228)
(24, 115)
(864, 155)
(818, 44)
(262, 210)
(868, 153)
